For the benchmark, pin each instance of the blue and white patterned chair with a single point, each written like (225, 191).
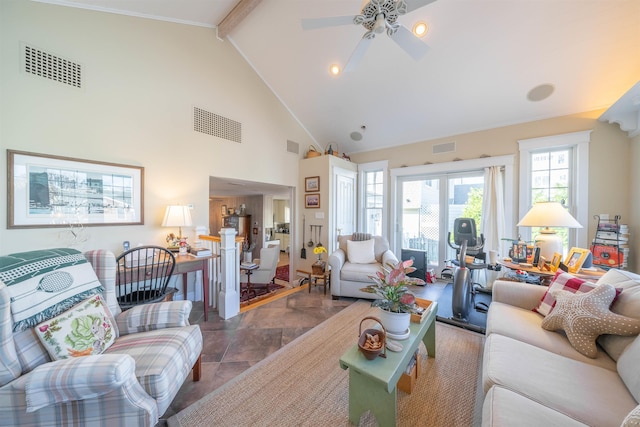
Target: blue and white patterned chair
(131, 383)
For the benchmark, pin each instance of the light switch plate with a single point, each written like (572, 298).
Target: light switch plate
(319, 215)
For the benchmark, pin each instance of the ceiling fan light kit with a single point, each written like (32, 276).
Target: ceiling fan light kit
(378, 16)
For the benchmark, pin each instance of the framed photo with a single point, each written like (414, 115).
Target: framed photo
(541, 263)
(312, 200)
(224, 210)
(555, 261)
(312, 184)
(54, 191)
(575, 259)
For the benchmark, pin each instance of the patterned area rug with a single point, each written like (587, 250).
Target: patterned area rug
(260, 291)
(282, 273)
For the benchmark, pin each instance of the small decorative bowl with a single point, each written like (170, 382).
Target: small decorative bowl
(369, 353)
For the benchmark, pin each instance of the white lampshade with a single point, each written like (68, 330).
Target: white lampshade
(548, 214)
(177, 216)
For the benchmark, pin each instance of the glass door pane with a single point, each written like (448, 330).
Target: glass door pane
(464, 201)
(420, 218)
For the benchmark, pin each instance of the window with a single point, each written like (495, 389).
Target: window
(372, 198)
(555, 168)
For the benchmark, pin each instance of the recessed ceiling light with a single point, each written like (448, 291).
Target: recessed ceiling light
(334, 69)
(540, 92)
(420, 29)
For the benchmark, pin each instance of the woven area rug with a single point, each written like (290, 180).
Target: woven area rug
(282, 273)
(302, 384)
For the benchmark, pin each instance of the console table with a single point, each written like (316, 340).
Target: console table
(372, 383)
(188, 263)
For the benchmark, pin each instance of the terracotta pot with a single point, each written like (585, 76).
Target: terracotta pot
(395, 323)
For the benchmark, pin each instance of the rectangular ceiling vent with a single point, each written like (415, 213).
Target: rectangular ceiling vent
(52, 67)
(445, 147)
(215, 125)
(293, 147)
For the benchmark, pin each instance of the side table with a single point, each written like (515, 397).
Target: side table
(317, 279)
(188, 263)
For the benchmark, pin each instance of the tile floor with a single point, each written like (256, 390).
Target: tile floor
(232, 346)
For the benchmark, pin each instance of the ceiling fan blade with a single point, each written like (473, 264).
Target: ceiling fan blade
(331, 21)
(357, 54)
(410, 43)
(416, 4)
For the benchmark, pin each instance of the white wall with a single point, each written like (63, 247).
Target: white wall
(141, 79)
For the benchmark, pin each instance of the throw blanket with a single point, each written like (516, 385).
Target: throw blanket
(45, 283)
(359, 237)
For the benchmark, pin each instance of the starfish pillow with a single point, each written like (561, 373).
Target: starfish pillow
(586, 316)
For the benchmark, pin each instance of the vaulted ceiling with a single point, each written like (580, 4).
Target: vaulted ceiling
(488, 62)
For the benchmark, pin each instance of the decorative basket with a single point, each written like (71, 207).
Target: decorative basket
(313, 152)
(381, 335)
(318, 267)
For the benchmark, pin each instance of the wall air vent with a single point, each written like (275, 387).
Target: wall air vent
(52, 67)
(215, 125)
(446, 147)
(293, 147)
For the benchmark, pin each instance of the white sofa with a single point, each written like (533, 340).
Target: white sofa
(347, 276)
(534, 377)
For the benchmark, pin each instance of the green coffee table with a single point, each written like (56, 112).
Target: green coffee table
(372, 383)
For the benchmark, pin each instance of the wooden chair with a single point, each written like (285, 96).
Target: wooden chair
(143, 275)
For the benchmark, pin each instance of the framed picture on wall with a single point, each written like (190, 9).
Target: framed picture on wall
(312, 200)
(55, 191)
(312, 184)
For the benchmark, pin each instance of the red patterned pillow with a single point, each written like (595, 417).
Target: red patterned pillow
(565, 282)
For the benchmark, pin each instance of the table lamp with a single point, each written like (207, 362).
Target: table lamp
(548, 214)
(177, 216)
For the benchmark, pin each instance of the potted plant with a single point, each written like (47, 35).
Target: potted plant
(396, 301)
(319, 266)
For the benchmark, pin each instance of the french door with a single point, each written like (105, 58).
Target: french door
(427, 207)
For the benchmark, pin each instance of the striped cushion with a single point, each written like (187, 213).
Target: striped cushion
(163, 358)
(10, 368)
(149, 317)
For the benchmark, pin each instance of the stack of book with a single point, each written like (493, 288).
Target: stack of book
(610, 246)
(200, 251)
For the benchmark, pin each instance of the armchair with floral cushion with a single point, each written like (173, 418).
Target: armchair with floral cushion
(69, 356)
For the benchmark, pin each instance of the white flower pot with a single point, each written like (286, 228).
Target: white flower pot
(395, 323)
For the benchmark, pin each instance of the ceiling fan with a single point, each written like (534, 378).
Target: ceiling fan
(377, 16)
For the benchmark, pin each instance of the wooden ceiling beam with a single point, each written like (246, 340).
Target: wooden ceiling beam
(237, 14)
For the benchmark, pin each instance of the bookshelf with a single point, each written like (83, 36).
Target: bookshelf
(610, 246)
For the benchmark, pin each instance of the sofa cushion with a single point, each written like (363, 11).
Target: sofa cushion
(359, 272)
(627, 304)
(628, 368)
(361, 252)
(525, 325)
(503, 407)
(584, 317)
(163, 358)
(593, 395)
(381, 245)
(562, 281)
(84, 330)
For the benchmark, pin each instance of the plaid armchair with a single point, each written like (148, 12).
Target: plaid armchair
(131, 383)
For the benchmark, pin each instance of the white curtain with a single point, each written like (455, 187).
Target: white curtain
(493, 218)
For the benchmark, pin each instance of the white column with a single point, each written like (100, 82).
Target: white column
(229, 296)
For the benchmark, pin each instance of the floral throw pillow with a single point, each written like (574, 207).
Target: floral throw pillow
(86, 329)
